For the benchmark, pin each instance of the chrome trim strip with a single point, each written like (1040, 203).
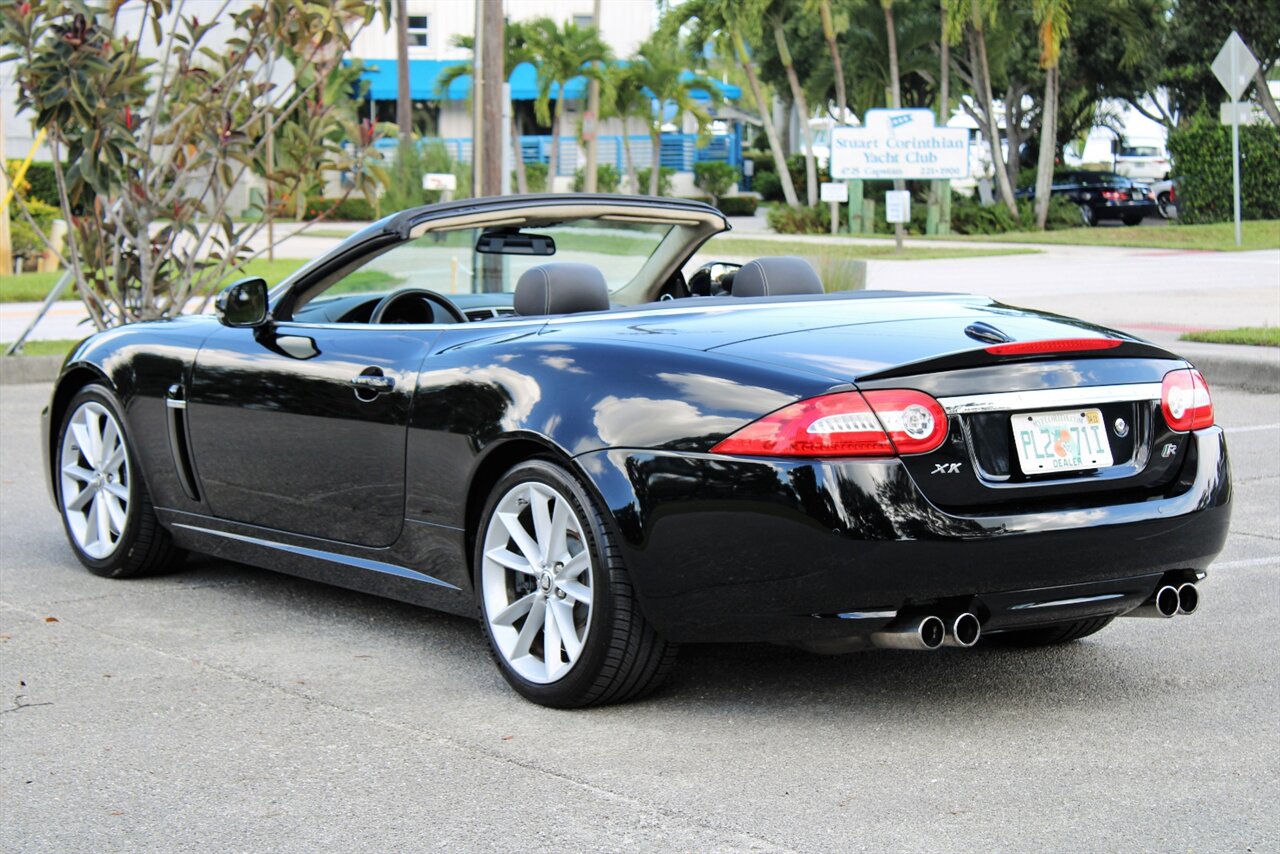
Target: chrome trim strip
(1058, 603)
(1047, 398)
(867, 615)
(333, 557)
(175, 404)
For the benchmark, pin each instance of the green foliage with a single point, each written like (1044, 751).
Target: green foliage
(607, 179)
(715, 177)
(25, 240)
(1201, 150)
(40, 182)
(412, 162)
(969, 216)
(1256, 336)
(768, 185)
(664, 180)
(738, 205)
(536, 176)
(785, 219)
(354, 208)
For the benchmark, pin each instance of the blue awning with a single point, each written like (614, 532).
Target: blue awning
(424, 75)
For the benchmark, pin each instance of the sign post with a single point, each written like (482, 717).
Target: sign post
(1234, 66)
(898, 144)
(897, 208)
(835, 194)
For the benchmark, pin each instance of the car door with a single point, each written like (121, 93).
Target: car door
(301, 427)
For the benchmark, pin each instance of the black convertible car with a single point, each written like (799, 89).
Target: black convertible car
(523, 409)
(1102, 195)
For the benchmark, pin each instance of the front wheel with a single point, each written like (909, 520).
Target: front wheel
(106, 510)
(556, 601)
(1167, 209)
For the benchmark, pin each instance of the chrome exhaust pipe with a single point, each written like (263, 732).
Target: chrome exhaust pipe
(964, 631)
(1163, 604)
(925, 632)
(1188, 598)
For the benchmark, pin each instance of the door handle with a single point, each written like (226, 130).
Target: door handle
(375, 383)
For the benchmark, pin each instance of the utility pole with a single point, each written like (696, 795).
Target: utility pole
(495, 74)
(591, 121)
(6, 247)
(404, 103)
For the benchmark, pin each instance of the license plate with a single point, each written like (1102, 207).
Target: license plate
(1069, 440)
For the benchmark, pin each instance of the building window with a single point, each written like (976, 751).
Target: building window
(417, 30)
(584, 21)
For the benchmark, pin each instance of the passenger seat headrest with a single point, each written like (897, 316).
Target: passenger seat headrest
(774, 277)
(561, 288)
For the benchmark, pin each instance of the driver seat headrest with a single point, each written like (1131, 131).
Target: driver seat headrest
(775, 277)
(561, 288)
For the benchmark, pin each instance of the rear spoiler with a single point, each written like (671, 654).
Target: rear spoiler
(1026, 351)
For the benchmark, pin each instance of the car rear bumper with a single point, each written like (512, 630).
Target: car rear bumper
(1122, 210)
(726, 548)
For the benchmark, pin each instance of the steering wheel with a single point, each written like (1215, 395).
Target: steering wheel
(404, 300)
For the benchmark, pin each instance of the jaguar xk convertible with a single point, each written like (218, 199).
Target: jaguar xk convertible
(544, 412)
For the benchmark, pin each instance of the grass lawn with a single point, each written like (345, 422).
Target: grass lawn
(745, 247)
(1220, 236)
(56, 347)
(1259, 336)
(34, 287)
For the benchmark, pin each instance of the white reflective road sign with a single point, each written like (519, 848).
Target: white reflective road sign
(899, 144)
(1234, 66)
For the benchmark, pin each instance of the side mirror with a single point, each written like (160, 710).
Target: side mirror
(243, 304)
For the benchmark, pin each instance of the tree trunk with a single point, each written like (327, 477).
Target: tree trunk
(1048, 145)
(655, 168)
(1264, 96)
(404, 103)
(626, 151)
(979, 42)
(492, 67)
(802, 106)
(895, 85)
(837, 70)
(522, 178)
(554, 166)
(775, 145)
(944, 74)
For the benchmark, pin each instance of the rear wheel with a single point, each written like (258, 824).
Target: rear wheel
(1087, 216)
(106, 510)
(1166, 205)
(555, 599)
(1050, 635)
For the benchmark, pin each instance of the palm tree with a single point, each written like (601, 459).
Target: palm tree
(657, 68)
(829, 32)
(624, 98)
(731, 24)
(1053, 18)
(969, 18)
(516, 52)
(779, 12)
(561, 55)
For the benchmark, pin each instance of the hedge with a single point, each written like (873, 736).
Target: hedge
(1201, 151)
(352, 208)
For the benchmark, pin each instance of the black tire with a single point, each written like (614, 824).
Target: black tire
(1132, 220)
(621, 657)
(1166, 205)
(141, 546)
(1050, 635)
(1088, 217)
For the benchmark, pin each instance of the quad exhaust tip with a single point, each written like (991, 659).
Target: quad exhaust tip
(1188, 598)
(920, 632)
(1163, 604)
(965, 630)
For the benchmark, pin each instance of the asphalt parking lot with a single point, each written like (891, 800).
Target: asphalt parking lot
(232, 708)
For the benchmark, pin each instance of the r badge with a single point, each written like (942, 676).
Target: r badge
(1169, 450)
(945, 468)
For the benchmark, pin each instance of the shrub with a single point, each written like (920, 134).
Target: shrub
(768, 185)
(356, 208)
(664, 181)
(785, 219)
(1201, 151)
(738, 205)
(40, 183)
(535, 175)
(969, 216)
(607, 179)
(715, 177)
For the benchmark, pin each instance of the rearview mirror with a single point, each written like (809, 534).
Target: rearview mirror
(515, 242)
(243, 303)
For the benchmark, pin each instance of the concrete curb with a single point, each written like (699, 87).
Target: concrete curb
(15, 370)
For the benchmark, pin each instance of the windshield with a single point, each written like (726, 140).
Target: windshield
(446, 262)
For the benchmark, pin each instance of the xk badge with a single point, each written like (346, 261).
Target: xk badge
(945, 468)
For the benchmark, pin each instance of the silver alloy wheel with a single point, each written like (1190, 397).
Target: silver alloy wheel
(95, 485)
(536, 580)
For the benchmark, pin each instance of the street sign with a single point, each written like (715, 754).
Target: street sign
(835, 192)
(897, 206)
(899, 144)
(1239, 112)
(440, 181)
(1234, 66)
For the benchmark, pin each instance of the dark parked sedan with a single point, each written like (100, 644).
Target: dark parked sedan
(1102, 195)
(521, 410)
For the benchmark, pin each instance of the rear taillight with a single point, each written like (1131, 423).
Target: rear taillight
(845, 424)
(1185, 400)
(1053, 345)
(1114, 195)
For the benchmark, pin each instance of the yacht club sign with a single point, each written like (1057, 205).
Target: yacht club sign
(899, 144)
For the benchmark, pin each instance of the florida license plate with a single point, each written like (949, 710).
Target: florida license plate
(1070, 440)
